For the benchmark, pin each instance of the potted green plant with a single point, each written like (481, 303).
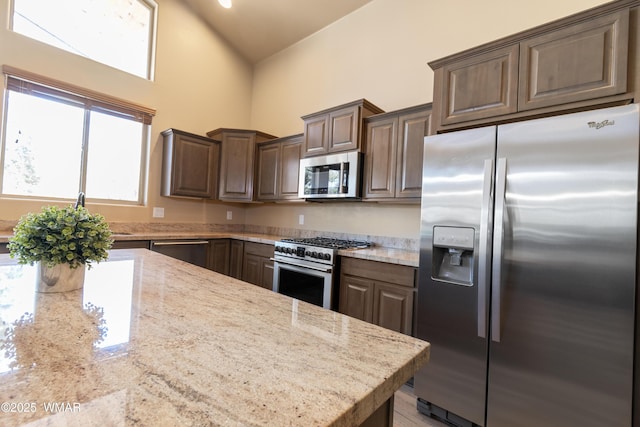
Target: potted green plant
(62, 241)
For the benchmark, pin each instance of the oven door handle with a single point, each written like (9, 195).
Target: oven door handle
(293, 264)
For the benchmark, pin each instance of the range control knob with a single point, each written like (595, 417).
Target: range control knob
(287, 250)
(307, 253)
(327, 257)
(314, 254)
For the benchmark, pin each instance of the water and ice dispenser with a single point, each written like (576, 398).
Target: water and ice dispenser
(453, 255)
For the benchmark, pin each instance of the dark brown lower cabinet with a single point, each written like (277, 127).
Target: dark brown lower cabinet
(236, 254)
(378, 293)
(356, 297)
(3, 248)
(257, 267)
(219, 255)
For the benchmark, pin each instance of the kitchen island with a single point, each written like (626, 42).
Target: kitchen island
(151, 340)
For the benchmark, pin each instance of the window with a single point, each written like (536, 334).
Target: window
(119, 33)
(60, 140)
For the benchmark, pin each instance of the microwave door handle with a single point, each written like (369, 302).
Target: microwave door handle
(344, 177)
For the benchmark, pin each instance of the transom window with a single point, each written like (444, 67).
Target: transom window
(119, 33)
(60, 140)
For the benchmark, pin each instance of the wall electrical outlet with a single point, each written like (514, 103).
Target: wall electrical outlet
(158, 212)
(301, 219)
(229, 215)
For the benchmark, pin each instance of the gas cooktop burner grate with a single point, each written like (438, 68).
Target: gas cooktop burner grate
(328, 242)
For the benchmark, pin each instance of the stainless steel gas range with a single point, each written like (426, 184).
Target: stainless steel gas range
(305, 268)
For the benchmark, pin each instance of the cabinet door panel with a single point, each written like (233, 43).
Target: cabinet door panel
(356, 297)
(482, 86)
(412, 130)
(237, 166)
(344, 129)
(393, 308)
(196, 157)
(219, 256)
(266, 274)
(290, 169)
(316, 135)
(268, 164)
(190, 165)
(236, 255)
(252, 268)
(380, 160)
(583, 61)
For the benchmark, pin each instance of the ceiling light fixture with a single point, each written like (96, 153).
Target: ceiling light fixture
(225, 3)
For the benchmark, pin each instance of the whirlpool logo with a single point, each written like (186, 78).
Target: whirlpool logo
(600, 125)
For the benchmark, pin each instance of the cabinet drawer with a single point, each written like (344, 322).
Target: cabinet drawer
(379, 271)
(260, 249)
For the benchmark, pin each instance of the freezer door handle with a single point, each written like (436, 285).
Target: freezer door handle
(484, 267)
(498, 239)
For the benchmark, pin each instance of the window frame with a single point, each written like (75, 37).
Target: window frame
(153, 36)
(25, 82)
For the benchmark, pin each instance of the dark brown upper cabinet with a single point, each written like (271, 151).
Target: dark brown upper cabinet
(393, 154)
(279, 169)
(190, 165)
(237, 162)
(579, 62)
(336, 129)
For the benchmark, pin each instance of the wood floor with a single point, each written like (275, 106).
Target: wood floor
(405, 413)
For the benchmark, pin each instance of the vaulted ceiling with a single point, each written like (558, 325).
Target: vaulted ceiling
(259, 28)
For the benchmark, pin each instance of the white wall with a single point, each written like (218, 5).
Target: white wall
(200, 84)
(379, 52)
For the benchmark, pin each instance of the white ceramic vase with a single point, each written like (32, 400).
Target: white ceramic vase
(59, 278)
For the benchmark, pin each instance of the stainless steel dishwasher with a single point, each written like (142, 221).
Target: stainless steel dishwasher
(192, 251)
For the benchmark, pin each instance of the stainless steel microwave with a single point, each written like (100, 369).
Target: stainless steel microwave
(332, 176)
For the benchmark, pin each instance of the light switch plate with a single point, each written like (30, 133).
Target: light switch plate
(229, 215)
(301, 219)
(158, 212)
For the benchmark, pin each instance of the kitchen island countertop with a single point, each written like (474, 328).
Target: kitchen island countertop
(151, 340)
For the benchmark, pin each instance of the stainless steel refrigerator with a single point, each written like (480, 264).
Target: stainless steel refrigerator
(528, 271)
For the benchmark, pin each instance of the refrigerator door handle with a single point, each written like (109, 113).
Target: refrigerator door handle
(485, 247)
(498, 239)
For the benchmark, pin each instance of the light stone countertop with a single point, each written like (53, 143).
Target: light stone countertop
(376, 253)
(169, 343)
(382, 254)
